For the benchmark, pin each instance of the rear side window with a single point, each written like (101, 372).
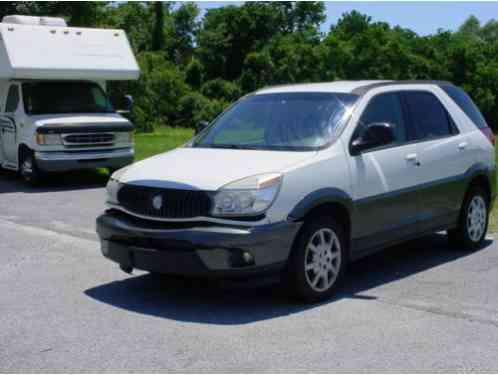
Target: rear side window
(385, 108)
(12, 99)
(466, 104)
(428, 115)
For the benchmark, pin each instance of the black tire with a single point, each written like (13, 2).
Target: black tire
(472, 224)
(28, 169)
(300, 279)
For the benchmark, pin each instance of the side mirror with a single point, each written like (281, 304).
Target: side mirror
(376, 134)
(125, 104)
(201, 126)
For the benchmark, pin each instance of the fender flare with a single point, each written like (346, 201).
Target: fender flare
(319, 197)
(488, 172)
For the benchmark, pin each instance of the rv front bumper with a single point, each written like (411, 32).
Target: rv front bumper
(60, 161)
(210, 250)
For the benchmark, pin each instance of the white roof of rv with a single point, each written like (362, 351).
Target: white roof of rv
(65, 53)
(336, 86)
(34, 21)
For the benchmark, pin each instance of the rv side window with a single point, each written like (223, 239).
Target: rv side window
(12, 99)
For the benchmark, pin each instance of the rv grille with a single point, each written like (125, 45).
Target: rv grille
(164, 203)
(88, 139)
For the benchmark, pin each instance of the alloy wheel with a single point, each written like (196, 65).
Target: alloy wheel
(476, 218)
(322, 260)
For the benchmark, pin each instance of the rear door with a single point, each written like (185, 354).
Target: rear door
(443, 156)
(8, 129)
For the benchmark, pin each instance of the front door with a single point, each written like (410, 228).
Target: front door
(384, 179)
(8, 128)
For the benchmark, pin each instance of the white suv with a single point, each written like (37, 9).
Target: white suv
(303, 179)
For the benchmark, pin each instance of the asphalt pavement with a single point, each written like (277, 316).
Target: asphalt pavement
(421, 306)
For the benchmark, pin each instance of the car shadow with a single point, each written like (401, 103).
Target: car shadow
(10, 182)
(191, 300)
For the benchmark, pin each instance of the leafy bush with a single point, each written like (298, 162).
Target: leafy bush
(221, 90)
(195, 107)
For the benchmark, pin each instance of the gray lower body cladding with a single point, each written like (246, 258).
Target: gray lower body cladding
(401, 215)
(195, 249)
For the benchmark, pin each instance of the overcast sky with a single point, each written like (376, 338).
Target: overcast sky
(421, 17)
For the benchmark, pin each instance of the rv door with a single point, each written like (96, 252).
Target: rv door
(8, 130)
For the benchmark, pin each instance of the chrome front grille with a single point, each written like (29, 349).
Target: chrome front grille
(88, 139)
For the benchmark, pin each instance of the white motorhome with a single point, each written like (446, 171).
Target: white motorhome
(55, 114)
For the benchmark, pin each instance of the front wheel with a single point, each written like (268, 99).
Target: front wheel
(28, 168)
(318, 259)
(473, 222)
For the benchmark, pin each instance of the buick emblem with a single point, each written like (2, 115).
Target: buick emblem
(157, 202)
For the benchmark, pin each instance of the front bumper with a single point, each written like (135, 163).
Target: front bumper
(195, 249)
(61, 161)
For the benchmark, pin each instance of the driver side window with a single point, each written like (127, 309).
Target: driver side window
(12, 99)
(385, 108)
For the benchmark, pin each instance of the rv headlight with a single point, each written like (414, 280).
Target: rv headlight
(247, 197)
(123, 137)
(48, 139)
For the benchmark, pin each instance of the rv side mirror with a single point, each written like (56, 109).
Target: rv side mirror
(123, 104)
(201, 126)
(127, 103)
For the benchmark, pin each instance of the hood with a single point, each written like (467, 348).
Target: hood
(66, 123)
(207, 168)
(91, 118)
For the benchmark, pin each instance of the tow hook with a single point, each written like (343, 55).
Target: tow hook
(126, 269)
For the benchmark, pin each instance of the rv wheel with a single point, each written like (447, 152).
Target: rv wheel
(28, 169)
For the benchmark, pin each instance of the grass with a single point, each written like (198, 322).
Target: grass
(162, 140)
(167, 138)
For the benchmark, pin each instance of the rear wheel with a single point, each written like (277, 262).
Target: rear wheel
(28, 168)
(473, 222)
(318, 259)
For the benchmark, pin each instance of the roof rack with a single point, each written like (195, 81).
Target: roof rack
(362, 90)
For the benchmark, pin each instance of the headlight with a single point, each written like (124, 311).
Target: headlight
(123, 137)
(48, 139)
(247, 197)
(112, 188)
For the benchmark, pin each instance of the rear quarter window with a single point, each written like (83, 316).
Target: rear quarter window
(427, 115)
(466, 104)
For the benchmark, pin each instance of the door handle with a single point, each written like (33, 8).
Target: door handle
(413, 158)
(462, 146)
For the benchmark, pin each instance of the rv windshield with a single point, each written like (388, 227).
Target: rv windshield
(283, 121)
(54, 97)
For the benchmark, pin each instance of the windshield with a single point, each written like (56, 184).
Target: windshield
(64, 97)
(284, 121)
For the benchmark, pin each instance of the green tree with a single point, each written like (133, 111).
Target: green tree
(182, 32)
(221, 89)
(258, 71)
(194, 73)
(158, 37)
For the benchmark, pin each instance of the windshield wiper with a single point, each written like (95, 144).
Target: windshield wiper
(221, 145)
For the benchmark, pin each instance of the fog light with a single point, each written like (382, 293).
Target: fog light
(241, 259)
(248, 258)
